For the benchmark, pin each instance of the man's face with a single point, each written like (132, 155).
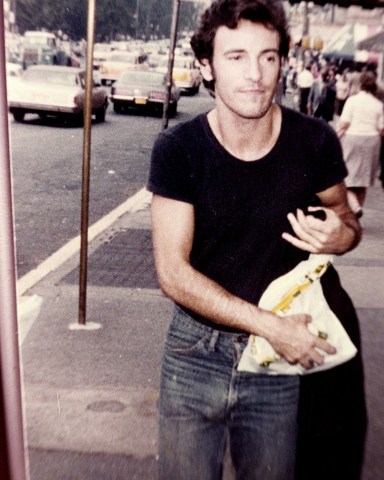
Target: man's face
(245, 68)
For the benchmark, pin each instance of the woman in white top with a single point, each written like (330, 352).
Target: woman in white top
(360, 129)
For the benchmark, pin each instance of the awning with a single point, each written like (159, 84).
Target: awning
(346, 3)
(344, 45)
(373, 44)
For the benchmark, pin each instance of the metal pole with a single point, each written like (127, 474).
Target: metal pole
(175, 21)
(137, 18)
(86, 164)
(10, 377)
(306, 19)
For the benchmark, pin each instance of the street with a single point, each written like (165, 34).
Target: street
(90, 396)
(47, 173)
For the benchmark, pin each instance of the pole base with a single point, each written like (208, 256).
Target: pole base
(87, 326)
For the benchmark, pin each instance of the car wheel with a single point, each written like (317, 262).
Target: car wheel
(172, 109)
(100, 114)
(194, 90)
(117, 107)
(18, 115)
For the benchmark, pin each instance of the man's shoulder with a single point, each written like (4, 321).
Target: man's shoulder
(301, 120)
(307, 128)
(185, 131)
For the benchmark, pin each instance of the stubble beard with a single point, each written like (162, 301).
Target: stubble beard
(241, 113)
(249, 112)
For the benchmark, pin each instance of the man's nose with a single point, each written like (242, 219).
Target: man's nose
(254, 71)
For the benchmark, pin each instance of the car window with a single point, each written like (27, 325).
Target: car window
(39, 40)
(177, 63)
(122, 58)
(137, 78)
(51, 77)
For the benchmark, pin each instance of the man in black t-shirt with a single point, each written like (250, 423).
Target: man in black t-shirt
(235, 191)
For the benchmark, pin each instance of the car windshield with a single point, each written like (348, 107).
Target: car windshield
(182, 63)
(177, 63)
(51, 77)
(139, 78)
(122, 58)
(39, 40)
(101, 47)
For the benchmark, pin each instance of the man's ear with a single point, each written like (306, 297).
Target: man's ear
(206, 70)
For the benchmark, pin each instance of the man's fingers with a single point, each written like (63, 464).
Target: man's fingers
(307, 227)
(325, 346)
(302, 245)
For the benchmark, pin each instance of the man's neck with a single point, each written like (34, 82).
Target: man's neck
(246, 139)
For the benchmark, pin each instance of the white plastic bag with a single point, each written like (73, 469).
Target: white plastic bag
(299, 291)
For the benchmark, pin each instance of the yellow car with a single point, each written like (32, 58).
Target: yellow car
(186, 75)
(118, 62)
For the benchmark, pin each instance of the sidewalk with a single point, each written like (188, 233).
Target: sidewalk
(91, 394)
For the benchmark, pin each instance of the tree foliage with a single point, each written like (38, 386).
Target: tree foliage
(114, 18)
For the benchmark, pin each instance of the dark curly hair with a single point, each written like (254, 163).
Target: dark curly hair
(368, 82)
(229, 12)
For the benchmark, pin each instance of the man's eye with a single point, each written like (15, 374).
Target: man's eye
(270, 58)
(235, 57)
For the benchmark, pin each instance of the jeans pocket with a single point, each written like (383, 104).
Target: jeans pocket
(185, 336)
(186, 343)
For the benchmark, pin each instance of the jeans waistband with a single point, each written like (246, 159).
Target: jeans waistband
(190, 322)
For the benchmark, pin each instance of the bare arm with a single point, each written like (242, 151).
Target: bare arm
(173, 229)
(339, 233)
(342, 128)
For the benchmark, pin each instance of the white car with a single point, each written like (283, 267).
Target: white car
(49, 90)
(101, 52)
(14, 73)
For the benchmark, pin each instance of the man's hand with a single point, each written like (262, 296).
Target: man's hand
(296, 344)
(331, 235)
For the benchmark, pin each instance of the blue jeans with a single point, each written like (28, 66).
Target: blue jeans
(203, 398)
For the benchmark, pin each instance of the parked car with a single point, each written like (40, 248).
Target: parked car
(185, 74)
(54, 90)
(101, 52)
(154, 60)
(14, 71)
(117, 62)
(141, 90)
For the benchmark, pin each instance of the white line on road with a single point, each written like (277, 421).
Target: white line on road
(134, 203)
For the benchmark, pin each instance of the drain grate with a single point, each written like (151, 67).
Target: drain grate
(124, 261)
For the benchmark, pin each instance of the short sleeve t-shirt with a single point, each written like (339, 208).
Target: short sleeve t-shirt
(241, 207)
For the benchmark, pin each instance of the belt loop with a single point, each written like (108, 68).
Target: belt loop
(214, 338)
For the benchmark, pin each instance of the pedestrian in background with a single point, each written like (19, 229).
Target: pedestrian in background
(330, 96)
(360, 129)
(354, 81)
(321, 98)
(234, 190)
(342, 91)
(305, 80)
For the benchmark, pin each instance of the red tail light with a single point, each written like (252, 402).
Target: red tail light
(122, 91)
(157, 95)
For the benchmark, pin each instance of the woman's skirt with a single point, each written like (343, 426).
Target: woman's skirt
(362, 159)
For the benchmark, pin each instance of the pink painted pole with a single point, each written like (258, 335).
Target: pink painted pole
(10, 377)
